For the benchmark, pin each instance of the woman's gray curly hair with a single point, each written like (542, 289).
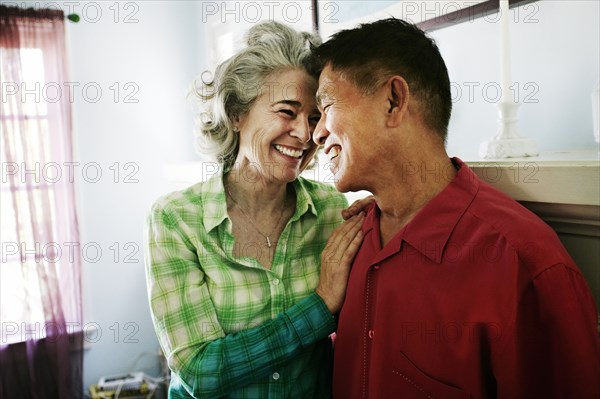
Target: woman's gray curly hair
(270, 47)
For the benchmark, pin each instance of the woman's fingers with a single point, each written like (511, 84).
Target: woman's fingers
(336, 261)
(357, 207)
(343, 237)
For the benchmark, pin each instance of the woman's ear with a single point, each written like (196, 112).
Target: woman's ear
(398, 96)
(236, 122)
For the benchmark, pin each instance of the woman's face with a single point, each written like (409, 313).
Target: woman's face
(276, 134)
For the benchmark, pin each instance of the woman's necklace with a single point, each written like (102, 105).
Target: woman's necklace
(253, 222)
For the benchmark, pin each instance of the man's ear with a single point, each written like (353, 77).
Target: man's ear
(398, 96)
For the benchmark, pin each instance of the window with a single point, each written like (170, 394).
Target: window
(20, 299)
(40, 272)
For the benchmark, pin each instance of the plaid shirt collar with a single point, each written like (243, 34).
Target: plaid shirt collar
(214, 209)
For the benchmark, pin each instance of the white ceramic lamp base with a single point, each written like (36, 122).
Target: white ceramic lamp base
(507, 143)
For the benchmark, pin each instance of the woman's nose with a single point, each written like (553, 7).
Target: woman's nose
(301, 130)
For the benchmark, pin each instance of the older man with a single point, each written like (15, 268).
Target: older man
(457, 291)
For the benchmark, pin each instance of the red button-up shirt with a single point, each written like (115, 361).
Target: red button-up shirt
(474, 298)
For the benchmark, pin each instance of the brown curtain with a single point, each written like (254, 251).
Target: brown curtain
(40, 274)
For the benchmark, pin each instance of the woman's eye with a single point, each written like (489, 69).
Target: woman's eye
(287, 112)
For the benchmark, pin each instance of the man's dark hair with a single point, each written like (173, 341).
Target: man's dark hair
(371, 53)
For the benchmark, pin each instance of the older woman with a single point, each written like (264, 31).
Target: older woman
(233, 263)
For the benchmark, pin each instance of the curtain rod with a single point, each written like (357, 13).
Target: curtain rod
(31, 12)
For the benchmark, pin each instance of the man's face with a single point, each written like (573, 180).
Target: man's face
(348, 130)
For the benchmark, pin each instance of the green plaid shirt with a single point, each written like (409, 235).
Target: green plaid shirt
(228, 326)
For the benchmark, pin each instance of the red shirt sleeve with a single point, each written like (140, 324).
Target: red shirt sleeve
(553, 347)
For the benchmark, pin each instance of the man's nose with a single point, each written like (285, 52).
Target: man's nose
(321, 133)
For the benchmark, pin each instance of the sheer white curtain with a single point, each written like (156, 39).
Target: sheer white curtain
(40, 275)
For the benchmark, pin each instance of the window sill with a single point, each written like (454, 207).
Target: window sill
(557, 178)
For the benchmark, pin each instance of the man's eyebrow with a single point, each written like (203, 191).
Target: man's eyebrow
(320, 97)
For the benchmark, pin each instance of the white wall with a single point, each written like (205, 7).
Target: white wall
(226, 22)
(156, 56)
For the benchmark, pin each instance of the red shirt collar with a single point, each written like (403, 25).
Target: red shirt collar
(432, 226)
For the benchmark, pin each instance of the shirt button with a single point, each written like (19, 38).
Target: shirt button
(376, 267)
(371, 334)
(275, 376)
(276, 281)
